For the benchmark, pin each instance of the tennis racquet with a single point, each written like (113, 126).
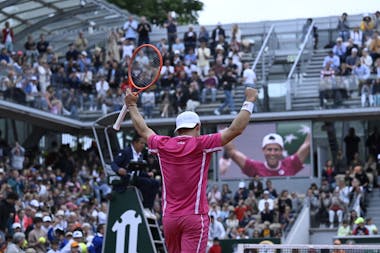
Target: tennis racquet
(143, 71)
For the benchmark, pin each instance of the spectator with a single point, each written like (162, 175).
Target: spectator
(235, 36)
(44, 75)
(357, 197)
(37, 236)
(360, 228)
(130, 29)
(214, 196)
(215, 248)
(314, 32)
(357, 36)
(4, 57)
(148, 102)
(344, 229)
(190, 39)
(203, 59)
(102, 87)
(193, 102)
(228, 81)
(171, 29)
(267, 214)
(31, 52)
(8, 38)
(17, 156)
(366, 59)
(241, 193)
(333, 60)
(17, 244)
(265, 199)
(283, 202)
(311, 201)
(329, 173)
(42, 45)
(373, 142)
(216, 230)
(143, 30)
(343, 27)
(337, 208)
(72, 53)
(179, 47)
(351, 62)
(211, 83)
(249, 76)
(367, 25)
(96, 244)
(7, 212)
(203, 34)
(351, 141)
(340, 49)
(256, 186)
(218, 30)
(374, 46)
(372, 228)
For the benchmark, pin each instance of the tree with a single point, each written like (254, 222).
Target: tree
(156, 10)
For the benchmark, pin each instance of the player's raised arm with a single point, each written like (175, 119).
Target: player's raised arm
(242, 119)
(235, 155)
(304, 149)
(138, 121)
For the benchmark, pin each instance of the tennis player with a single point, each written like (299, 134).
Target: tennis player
(275, 164)
(184, 161)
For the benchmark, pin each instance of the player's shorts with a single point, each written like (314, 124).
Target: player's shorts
(186, 234)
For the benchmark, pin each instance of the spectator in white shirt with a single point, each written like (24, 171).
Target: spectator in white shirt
(262, 201)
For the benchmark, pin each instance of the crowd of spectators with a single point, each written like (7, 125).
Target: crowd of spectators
(255, 210)
(352, 65)
(58, 199)
(91, 79)
(341, 200)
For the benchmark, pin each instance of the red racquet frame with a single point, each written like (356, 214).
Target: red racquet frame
(133, 86)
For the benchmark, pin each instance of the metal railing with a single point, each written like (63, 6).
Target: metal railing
(299, 65)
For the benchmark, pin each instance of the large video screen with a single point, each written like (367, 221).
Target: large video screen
(268, 150)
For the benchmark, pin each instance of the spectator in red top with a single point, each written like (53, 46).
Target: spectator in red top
(8, 37)
(215, 248)
(240, 209)
(360, 227)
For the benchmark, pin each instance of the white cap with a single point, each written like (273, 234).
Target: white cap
(241, 185)
(60, 213)
(77, 234)
(16, 225)
(46, 219)
(34, 203)
(187, 119)
(273, 139)
(266, 192)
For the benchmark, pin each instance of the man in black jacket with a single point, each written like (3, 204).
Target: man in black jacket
(131, 166)
(7, 212)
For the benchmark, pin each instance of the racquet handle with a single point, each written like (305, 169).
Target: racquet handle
(120, 118)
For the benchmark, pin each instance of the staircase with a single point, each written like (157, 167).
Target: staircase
(373, 209)
(306, 91)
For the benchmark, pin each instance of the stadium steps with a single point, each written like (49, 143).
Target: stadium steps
(373, 208)
(306, 93)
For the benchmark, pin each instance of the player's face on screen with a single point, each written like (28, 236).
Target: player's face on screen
(273, 154)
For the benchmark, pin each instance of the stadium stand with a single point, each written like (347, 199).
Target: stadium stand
(60, 89)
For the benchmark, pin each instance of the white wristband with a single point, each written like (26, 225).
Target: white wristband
(248, 106)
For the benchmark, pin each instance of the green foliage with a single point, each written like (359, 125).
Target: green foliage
(156, 11)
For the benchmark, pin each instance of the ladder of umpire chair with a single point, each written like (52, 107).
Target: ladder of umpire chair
(155, 231)
(128, 229)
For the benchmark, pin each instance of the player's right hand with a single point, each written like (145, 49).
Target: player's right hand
(122, 172)
(130, 98)
(251, 94)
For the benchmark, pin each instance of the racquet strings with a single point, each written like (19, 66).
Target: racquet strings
(145, 67)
